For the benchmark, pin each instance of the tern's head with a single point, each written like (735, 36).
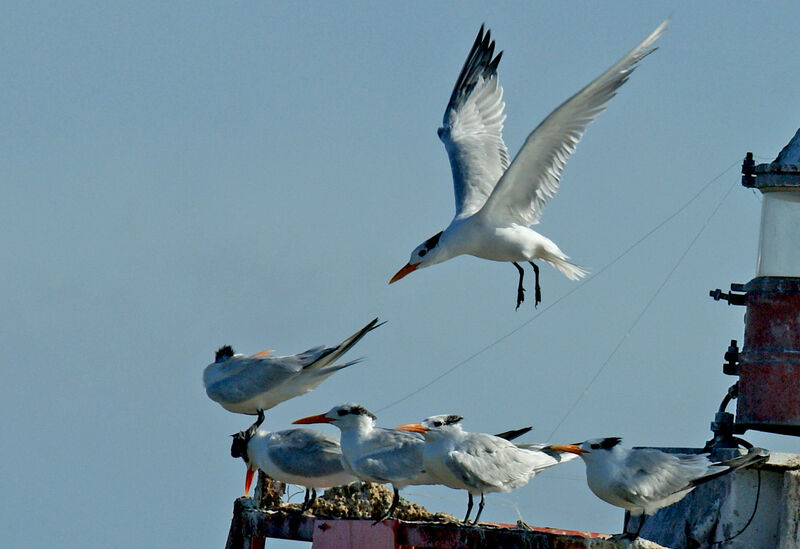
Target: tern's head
(435, 426)
(223, 353)
(344, 416)
(426, 254)
(591, 448)
(241, 440)
(240, 446)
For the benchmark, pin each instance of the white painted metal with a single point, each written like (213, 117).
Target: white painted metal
(779, 242)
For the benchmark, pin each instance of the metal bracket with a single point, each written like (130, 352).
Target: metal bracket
(732, 298)
(724, 425)
(748, 179)
(731, 365)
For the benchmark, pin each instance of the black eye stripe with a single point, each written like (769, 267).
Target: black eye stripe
(355, 410)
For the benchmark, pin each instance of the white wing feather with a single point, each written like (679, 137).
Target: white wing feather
(472, 129)
(533, 177)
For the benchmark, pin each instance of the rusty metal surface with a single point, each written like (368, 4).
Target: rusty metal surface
(250, 526)
(249, 521)
(769, 364)
(424, 535)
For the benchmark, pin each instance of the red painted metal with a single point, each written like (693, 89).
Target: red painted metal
(769, 364)
(251, 526)
(336, 534)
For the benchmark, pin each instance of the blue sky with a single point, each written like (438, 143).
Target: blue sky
(180, 176)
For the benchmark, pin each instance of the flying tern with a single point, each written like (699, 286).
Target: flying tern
(305, 457)
(374, 454)
(249, 384)
(643, 480)
(479, 463)
(497, 201)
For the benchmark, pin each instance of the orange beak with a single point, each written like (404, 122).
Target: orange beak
(412, 427)
(263, 353)
(248, 480)
(409, 268)
(319, 418)
(571, 448)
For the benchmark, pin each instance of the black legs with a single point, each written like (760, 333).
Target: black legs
(392, 507)
(521, 290)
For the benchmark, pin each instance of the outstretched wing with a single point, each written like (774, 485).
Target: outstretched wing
(472, 129)
(533, 177)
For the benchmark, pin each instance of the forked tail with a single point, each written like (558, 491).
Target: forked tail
(568, 269)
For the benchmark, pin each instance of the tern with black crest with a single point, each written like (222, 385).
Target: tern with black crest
(250, 384)
(643, 480)
(374, 454)
(497, 200)
(479, 463)
(305, 457)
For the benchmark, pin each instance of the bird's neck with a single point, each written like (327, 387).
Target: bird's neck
(358, 431)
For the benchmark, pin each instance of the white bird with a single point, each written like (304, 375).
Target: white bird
(643, 480)
(305, 457)
(496, 202)
(374, 454)
(479, 463)
(249, 384)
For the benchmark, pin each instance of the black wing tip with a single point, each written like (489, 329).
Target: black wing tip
(495, 62)
(374, 324)
(514, 433)
(479, 37)
(481, 61)
(753, 458)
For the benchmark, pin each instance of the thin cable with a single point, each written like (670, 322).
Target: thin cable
(564, 296)
(643, 311)
(752, 515)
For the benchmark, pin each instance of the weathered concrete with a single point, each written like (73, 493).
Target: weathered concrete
(716, 514)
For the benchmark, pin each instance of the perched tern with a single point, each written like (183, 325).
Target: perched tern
(496, 202)
(374, 454)
(249, 384)
(643, 480)
(305, 457)
(479, 463)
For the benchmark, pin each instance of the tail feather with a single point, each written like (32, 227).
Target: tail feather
(333, 353)
(337, 367)
(567, 268)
